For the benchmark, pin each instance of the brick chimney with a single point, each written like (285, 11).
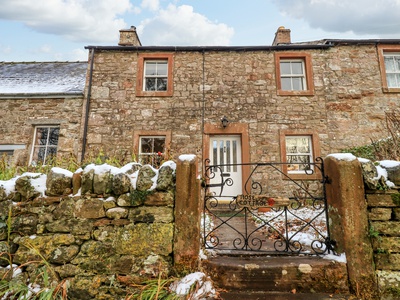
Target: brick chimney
(129, 37)
(282, 36)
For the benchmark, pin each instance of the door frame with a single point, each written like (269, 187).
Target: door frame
(239, 129)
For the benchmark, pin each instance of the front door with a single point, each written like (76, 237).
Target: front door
(226, 153)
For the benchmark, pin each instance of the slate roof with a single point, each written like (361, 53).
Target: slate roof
(41, 78)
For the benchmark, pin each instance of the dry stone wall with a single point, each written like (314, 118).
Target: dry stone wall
(116, 231)
(384, 217)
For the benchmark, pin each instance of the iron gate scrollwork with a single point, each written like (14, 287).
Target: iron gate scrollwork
(276, 212)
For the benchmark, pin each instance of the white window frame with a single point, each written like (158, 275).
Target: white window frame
(392, 55)
(155, 76)
(291, 75)
(46, 146)
(153, 155)
(309, 153)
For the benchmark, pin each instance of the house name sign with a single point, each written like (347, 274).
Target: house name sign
(256, 201)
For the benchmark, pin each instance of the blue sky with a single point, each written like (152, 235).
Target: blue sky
(58, 30)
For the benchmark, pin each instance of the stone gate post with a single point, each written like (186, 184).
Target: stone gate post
(348, 219)
(187, 214)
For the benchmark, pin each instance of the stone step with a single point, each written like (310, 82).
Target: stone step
(289, 274)
(283, 296)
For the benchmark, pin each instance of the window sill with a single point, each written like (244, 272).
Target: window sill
(297, 176)
(391, 90)
(154, 94)
(295, 93)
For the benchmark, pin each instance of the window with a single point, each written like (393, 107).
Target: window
(152, 147)
(45, 143)
(298, 150)
(389, 61)
(392, 66)
(294, 74)
(293, 77)
(154, 77)
(298, 153)
(151, 150)
(7, 151)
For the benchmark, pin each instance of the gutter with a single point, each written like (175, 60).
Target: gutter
(89, 93)
(362, 42)
(210, 48)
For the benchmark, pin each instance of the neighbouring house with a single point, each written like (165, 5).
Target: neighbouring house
(288, 102)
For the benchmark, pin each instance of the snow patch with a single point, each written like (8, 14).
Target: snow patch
(339, 258)
(363, 160)
(204, 288)
(389, 163)
(187, 157)
(62, 171)
(343, 156)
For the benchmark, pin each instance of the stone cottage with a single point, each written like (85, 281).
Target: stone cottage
(288, 102)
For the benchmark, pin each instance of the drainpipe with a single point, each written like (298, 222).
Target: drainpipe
(203, 110)
(85, 128)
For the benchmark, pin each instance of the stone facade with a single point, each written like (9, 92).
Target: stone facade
(241, 85)
(17, 126)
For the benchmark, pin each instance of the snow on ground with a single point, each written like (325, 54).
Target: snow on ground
(297, 220)
(195, 285)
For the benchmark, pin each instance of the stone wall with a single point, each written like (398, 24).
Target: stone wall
(384, 217)
(22, 115)
(364, 215)
(117, 231)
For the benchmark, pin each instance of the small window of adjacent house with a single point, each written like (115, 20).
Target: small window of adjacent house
(45, 143)
(293, 77)
(151, 150)
(299, 153)
(392, 67)
(154, 75)
(294, 74)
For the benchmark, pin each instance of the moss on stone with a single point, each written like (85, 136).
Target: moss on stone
(396, 199)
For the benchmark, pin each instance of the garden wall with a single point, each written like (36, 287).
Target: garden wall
(364, 213)
(117, 228)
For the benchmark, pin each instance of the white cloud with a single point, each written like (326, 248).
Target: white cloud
(364, 17)
(180, 25)
(77, 20)
(151, 4)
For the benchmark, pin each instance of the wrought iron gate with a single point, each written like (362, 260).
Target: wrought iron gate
(277, 212)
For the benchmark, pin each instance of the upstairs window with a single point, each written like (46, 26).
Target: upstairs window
(389, 63)
(293, 77)
(45, 142)
(154, 75)
(294, 74)
(392, 67)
